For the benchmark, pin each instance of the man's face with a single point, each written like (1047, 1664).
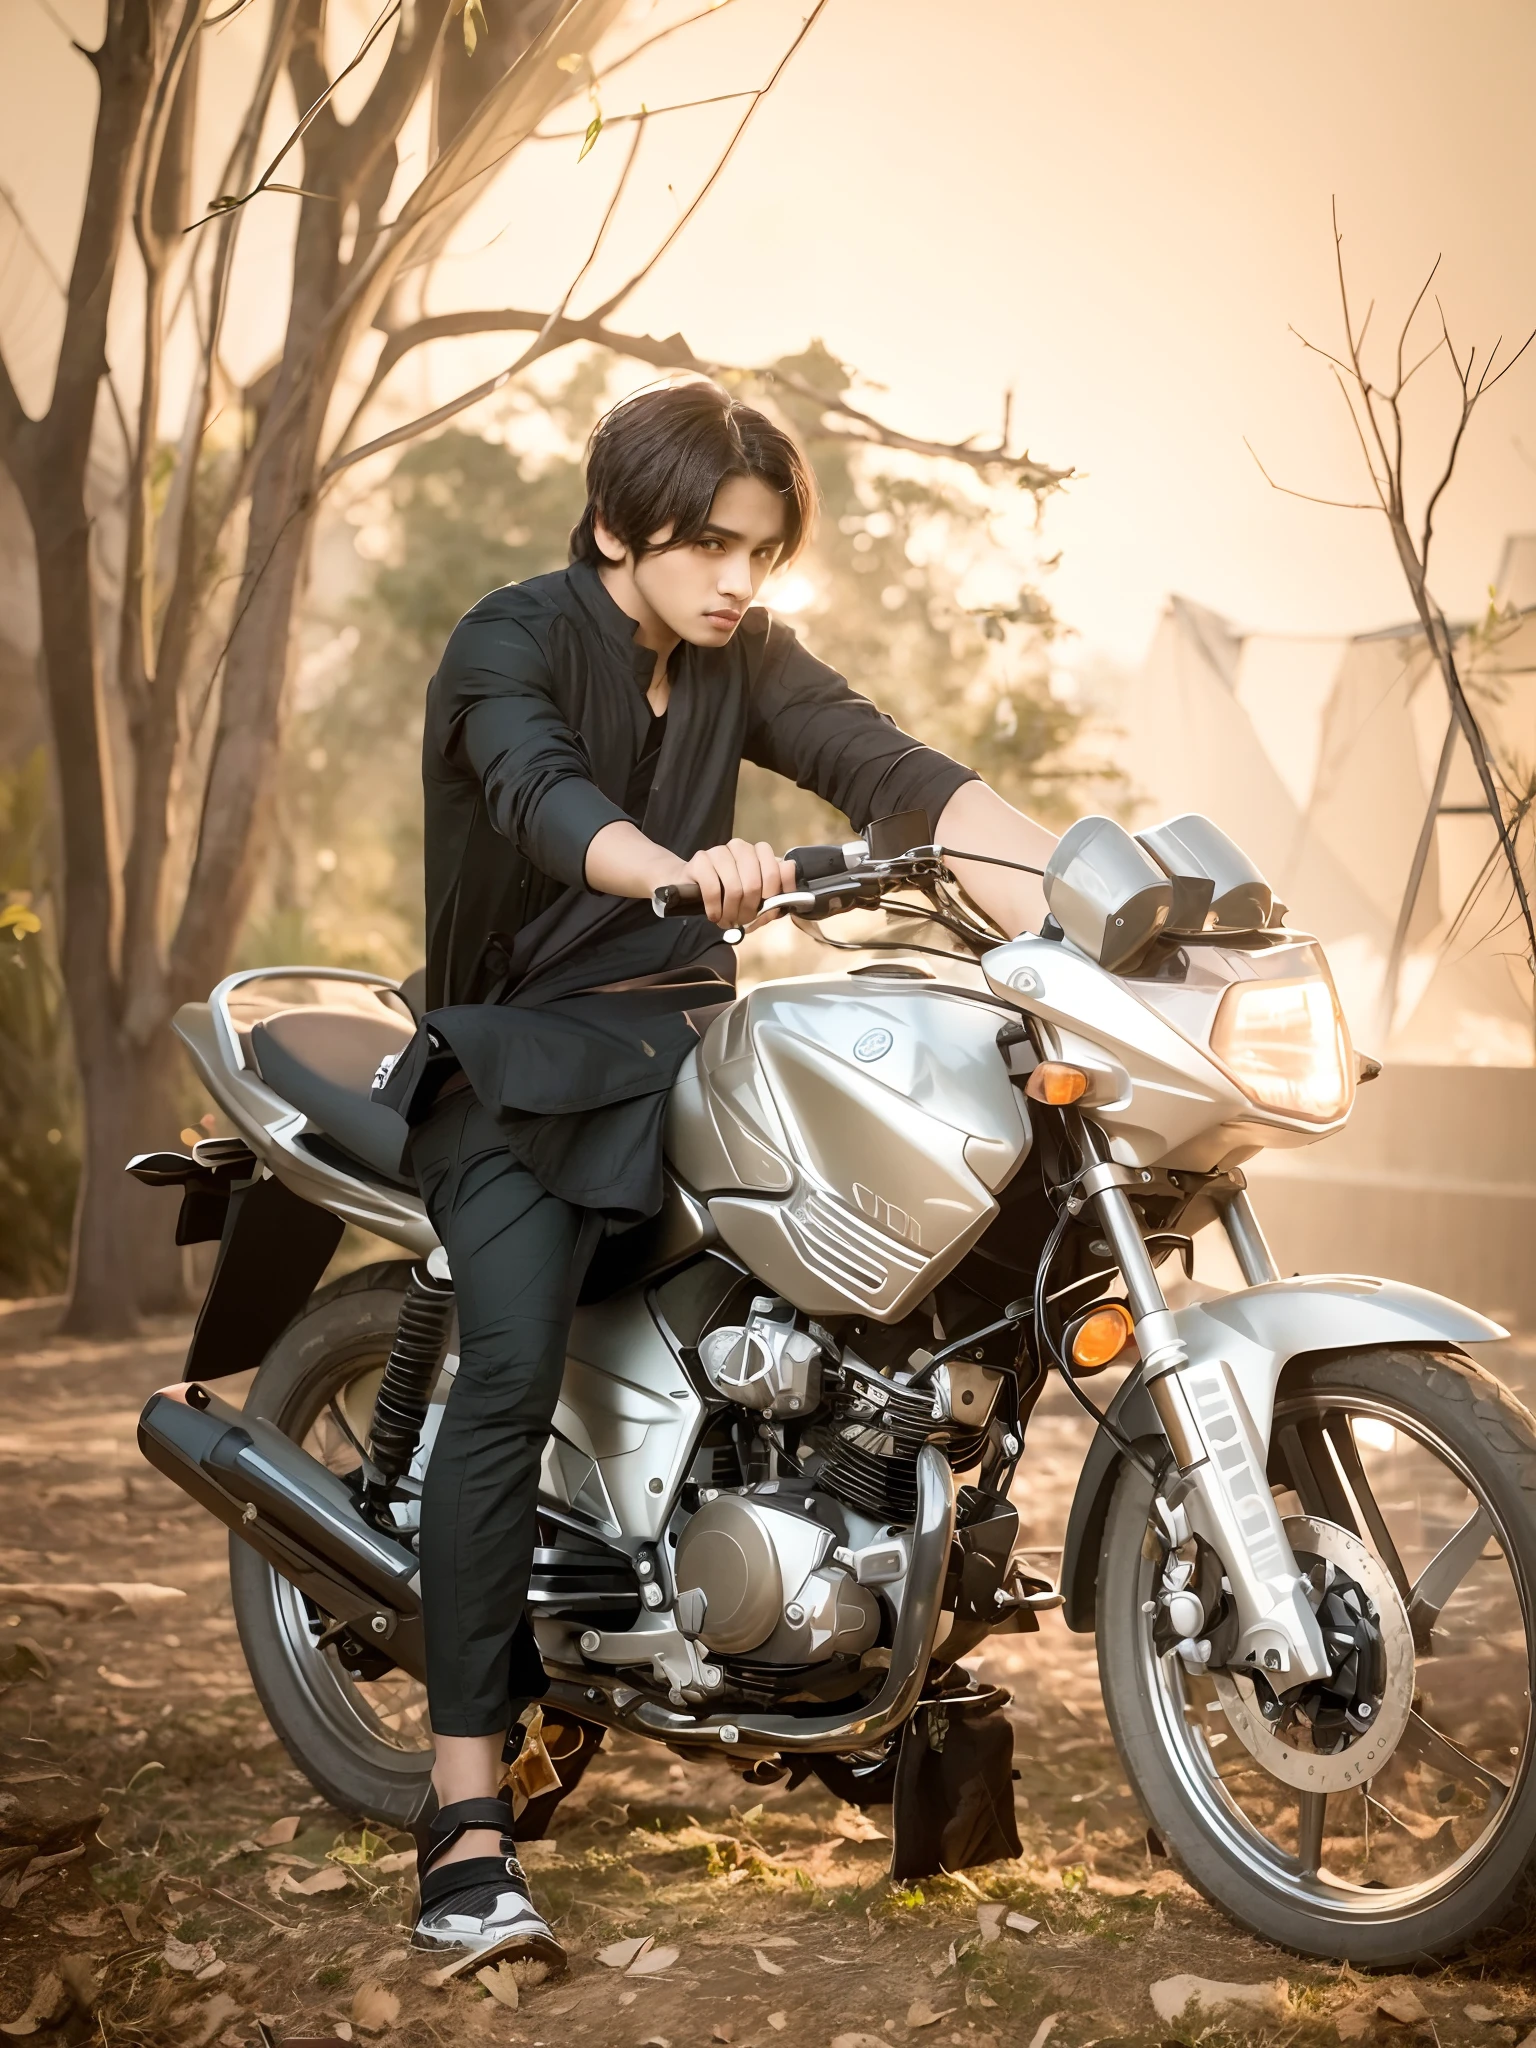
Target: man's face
(699, 591)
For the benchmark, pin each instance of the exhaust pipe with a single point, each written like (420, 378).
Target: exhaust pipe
(292, 1510)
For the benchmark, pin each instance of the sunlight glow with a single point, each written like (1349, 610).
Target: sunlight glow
(1377, 1436)
(791, 593)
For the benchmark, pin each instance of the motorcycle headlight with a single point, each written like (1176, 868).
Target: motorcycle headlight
(1286, 1045)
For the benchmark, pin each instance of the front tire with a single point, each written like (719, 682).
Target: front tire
(1409, 1449)
(363, 1743)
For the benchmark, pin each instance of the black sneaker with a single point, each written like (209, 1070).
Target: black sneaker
(482, 1905)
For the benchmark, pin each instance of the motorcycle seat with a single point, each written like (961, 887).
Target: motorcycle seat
(323, 1062)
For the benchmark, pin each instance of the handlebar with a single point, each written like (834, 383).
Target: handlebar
(838, 878)
(811, 864)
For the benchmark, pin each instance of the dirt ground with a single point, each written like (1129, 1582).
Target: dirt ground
(138, 1777)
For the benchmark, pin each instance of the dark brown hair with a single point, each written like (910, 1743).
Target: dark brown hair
(657, 459)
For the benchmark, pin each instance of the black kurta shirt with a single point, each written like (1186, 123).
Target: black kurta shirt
(535, 723)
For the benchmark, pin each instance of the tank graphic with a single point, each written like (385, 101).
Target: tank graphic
(850, 1136)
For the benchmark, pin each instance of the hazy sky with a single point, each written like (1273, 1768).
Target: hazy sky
(1112, 207)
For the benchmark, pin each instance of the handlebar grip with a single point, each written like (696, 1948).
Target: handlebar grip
(678, 899)
(820, 863)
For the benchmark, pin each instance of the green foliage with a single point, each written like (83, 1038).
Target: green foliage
(39, 1111)
(906, 602)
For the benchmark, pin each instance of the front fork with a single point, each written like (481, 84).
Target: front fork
(1222, 1488)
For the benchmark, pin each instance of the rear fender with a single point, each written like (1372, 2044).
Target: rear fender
(1256, 1332)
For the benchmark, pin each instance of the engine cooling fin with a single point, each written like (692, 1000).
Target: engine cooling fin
(869, 1447)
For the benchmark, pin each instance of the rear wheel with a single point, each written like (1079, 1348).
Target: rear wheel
(358, 1732)
(1413, 1476)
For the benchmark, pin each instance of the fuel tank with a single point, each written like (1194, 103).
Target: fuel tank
(850, 1134)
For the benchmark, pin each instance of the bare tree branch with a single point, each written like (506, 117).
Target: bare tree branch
(612, 303)
(673, 353)
(1338, 504)
(227, 202)
(387, 360)
(714, 99)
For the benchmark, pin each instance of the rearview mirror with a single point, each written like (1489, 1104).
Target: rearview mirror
(889, 838)
(1107, 893)
(1200, 857)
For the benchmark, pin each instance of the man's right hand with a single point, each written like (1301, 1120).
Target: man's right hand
(733, 879)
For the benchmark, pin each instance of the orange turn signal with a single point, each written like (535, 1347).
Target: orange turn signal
(1101, 1336)
(1055, 1082)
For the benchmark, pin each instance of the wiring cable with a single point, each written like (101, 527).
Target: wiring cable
(1045, 1339)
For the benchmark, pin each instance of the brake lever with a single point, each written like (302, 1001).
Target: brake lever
(794, 899)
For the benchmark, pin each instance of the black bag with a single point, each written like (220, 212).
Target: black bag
(953, 1803)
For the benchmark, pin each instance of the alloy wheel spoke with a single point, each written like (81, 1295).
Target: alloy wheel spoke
(1310, 1471)
(1443, 1574)
(334, 1410)
(1310, 1809)
(1423, 1744)
(1341, 1439)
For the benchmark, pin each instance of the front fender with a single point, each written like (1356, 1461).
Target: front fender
(1257, 1331)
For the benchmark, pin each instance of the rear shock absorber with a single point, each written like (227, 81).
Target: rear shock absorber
(421, 1338)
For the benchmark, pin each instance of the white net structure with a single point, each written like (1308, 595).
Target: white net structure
(1323, 758)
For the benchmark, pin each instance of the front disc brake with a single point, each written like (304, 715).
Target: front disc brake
(1283, 1747)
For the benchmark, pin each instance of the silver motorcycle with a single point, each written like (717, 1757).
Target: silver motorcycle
(774, 1512)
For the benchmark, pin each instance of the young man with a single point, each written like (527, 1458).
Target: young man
(583, 739)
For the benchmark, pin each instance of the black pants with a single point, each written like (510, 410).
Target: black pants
(518, 1255)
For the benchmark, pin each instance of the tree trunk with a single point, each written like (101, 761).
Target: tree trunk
(126, 1260)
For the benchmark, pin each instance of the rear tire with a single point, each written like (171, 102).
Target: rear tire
(347, 1329)
(1442, 1404)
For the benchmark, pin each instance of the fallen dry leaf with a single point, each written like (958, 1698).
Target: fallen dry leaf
(131, 1919)
(618, 1955)
(722, 2030)
(48, 2004)
(990, 1920)
(854, 1826)
(1405, 2006)
(439, 1980)
(1171, 1995)
(212, 2016)
(501, 1984)
(280, 1831)
(375, 2007)
(90, 1602)
(1042, 2033)
(20, 1659)
(116, 1678)
(651, 1960)
(244, 1847)
(921, 2014)
(1481, 2015)
(767, 1965)
(83, 1978)
(1355, 2021)
(331, 1879)
(190, 1957)
(398, 1859)
(1019, 1923)
(778, 2021)
(82, 1925)
(142, 1600)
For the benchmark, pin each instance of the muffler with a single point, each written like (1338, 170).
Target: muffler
(286, 1505)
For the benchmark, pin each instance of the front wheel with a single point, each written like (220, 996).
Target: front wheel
(1412, 1476)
